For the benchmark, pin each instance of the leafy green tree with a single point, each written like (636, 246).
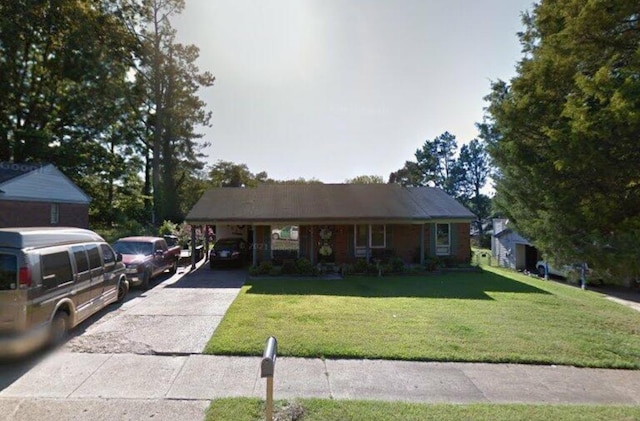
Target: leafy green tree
(229, 174)
(435, 166)
(471, 170)
(436, 160)
(564, 134)
(365, 179)
(409, 175)
(65, 95)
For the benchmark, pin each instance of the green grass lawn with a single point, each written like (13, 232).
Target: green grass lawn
(495, 316)
(251, 409)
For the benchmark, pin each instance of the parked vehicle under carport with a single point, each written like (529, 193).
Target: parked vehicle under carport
(228, 251)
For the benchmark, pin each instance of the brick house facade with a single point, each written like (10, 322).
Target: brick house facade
(343, 222)
(40, 195)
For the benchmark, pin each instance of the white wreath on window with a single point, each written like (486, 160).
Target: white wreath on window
(325, 233)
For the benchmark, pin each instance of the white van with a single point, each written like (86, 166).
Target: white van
(51, 279)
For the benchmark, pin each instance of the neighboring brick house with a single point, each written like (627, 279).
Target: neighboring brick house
(343, 222)
(40, 195)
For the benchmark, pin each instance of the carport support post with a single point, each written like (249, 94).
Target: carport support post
(206, 243)
(422, 244)
(254, 246)
(193, 247)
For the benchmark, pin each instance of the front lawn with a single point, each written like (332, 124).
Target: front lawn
(251, 409)
(495, 316)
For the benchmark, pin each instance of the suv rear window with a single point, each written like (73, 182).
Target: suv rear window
(8, 271)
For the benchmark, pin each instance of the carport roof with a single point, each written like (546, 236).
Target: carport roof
(325, 203)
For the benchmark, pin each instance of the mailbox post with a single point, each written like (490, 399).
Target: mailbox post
(267, 368)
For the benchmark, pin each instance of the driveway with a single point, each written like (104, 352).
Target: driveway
(176, 317)
(85, 380)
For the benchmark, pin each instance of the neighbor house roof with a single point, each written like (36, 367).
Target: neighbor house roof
(38, 182)
(327, 203)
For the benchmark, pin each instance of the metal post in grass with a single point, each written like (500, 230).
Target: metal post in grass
(267, 368)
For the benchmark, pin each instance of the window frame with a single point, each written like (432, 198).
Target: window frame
(369, 231)
(446, 248)
(54, 214)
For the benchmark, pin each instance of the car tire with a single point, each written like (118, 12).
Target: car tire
(59, 328)
(275, 236)
(123, 290)
(542, 271)
(146, 277)
(174, 267)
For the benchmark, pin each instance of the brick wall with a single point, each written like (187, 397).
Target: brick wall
(341, 242)
(463, 248)
(406, 241)
(31, 214)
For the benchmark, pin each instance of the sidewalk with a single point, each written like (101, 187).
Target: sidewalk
(65, 375)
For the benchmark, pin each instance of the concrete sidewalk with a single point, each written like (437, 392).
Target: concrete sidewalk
(77, 376)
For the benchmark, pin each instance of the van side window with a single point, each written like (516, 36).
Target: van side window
(56, 269)
(107, 254)
(8, 272)
(81, 258)
(94, 256)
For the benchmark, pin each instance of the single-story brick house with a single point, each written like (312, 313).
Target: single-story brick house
(40, 195)
(343, 222)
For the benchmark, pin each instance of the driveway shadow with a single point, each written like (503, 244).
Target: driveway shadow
(205, 277)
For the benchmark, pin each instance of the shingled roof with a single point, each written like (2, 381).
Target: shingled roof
(315, 203)
(10, 170)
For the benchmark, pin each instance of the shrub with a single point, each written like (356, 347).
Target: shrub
(348, 269)
(167, 228)
(396, 264)
(254, 270)
(305, 267)
(264, 268)
(288, 267)
(361, 266)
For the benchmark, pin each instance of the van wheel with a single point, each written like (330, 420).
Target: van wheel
(123, 289)
(145, 280)
(59, 328)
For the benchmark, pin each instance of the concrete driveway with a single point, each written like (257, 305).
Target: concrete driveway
(176, 317)
(85, 380)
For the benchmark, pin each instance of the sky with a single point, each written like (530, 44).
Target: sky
(334, 89)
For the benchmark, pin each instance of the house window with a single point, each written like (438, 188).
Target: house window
(361, 236)
(55, 213)
(377, 235)
(443, 240)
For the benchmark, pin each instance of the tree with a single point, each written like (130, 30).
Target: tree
(365, 179)
(64, 95)
(171, 80)
(230, 174)
(564, 134)
(472, 170)
(434, 166)
(409, 175)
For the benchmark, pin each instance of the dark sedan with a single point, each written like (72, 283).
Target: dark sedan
(228, 251)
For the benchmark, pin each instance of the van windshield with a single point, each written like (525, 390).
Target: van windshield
(8, 271)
